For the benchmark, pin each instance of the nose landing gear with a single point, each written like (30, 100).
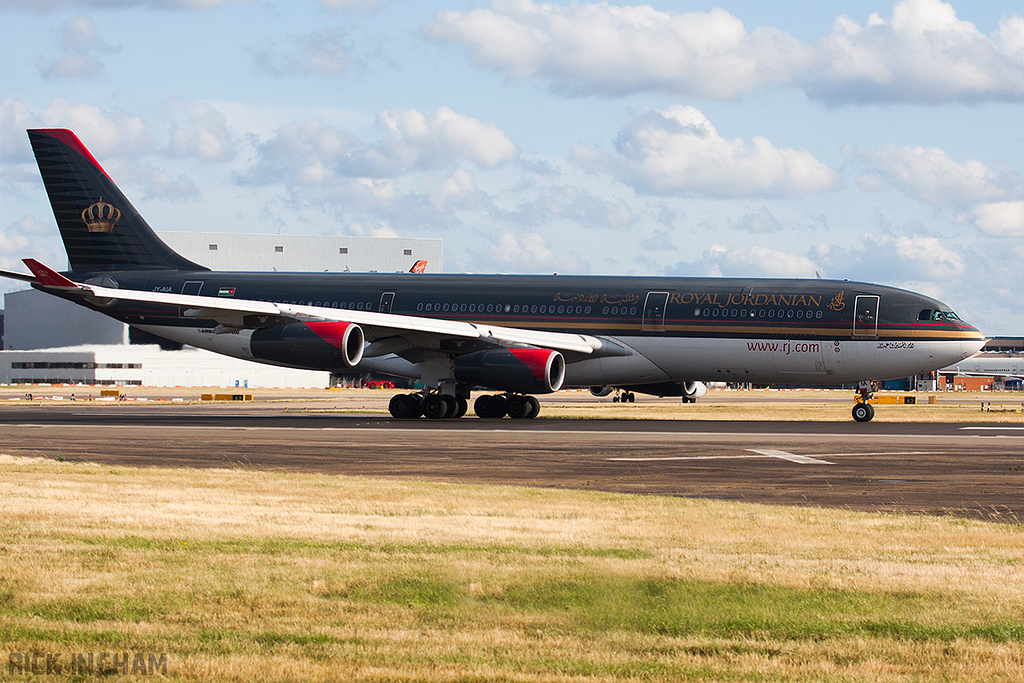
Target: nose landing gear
(862, 410)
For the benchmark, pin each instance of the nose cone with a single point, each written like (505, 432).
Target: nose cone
(971, 342)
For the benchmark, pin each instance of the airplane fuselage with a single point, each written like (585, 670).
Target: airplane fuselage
(668, 329)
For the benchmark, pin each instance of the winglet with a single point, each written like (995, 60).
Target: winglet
(48, 277)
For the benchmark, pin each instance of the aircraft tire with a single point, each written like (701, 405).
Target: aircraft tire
(435, 407)
(489, 407)
(404, 406)
(863, 412)
(453, 406)
(461, 407)
(519, 407)
(534, 407)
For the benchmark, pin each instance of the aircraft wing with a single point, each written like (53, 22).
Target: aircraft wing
(236, 314)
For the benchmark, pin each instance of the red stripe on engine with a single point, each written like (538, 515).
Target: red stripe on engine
(535, 359)
(331, 332)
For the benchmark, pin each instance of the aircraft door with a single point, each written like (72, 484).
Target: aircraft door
(386, 299)
(865, 316)
(654, 312)
(192, 288)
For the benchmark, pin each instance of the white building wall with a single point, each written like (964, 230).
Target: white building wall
(304, 253)
(148, 366)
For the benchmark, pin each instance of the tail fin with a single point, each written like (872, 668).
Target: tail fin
(100, 228)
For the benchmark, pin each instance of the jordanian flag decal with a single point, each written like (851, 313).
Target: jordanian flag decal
(226, 291)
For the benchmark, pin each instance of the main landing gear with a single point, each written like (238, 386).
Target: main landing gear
(862, 410)
(624, 397)
(436, 406)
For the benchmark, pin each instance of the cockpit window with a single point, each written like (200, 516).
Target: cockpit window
(931, 314)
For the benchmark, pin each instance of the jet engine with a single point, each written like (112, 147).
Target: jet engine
(524, 371)
(316, 345)
(601, 392)
(694, 390)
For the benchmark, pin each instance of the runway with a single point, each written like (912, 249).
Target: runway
(971, 470)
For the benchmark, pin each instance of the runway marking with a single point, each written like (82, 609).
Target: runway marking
(1017, 429)
(792, 457)
(761, 452)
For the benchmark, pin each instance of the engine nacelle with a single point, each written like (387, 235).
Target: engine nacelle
(694, 389)
(322, 345)
(523, 371)
(601, 391)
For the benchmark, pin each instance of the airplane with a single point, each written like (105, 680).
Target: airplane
(999, 366)
(516, 335)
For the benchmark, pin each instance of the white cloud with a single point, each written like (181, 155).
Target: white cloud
(433, 139)
(606, 49)
(370, 230)
(15, 118)
(105, 133)
(205, 135)
(80, 42)
(904, 260)
(25, 238)
(658, 241)
(755, 261)
(679, 152)
(313, 153)
(758, 222)
(999, 219)
(457, 191)
(930, 176)
(922, 53)
(529, 252)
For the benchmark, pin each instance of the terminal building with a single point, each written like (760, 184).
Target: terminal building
(47, 340)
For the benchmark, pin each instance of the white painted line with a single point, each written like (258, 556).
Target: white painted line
(686, 457)
(1017, 429)
(761, 452)
(792, 457)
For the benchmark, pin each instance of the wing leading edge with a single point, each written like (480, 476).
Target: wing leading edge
(236, 314)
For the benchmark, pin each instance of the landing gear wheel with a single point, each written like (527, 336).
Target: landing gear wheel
(519, 407)
(534, 407)
(404, 406)
(490, 407)
(435, 407)
(863, 412)
(453, 405)
(461, 407)
(629, 396)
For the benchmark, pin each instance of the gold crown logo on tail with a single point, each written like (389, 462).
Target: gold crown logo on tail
(101, 216)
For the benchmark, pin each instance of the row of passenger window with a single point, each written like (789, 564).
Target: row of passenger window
(506, 308)
(753, 313)
(351, 305)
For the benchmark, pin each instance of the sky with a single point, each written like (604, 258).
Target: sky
(872, 141)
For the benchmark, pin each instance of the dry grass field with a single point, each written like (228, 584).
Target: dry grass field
(240, 575)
